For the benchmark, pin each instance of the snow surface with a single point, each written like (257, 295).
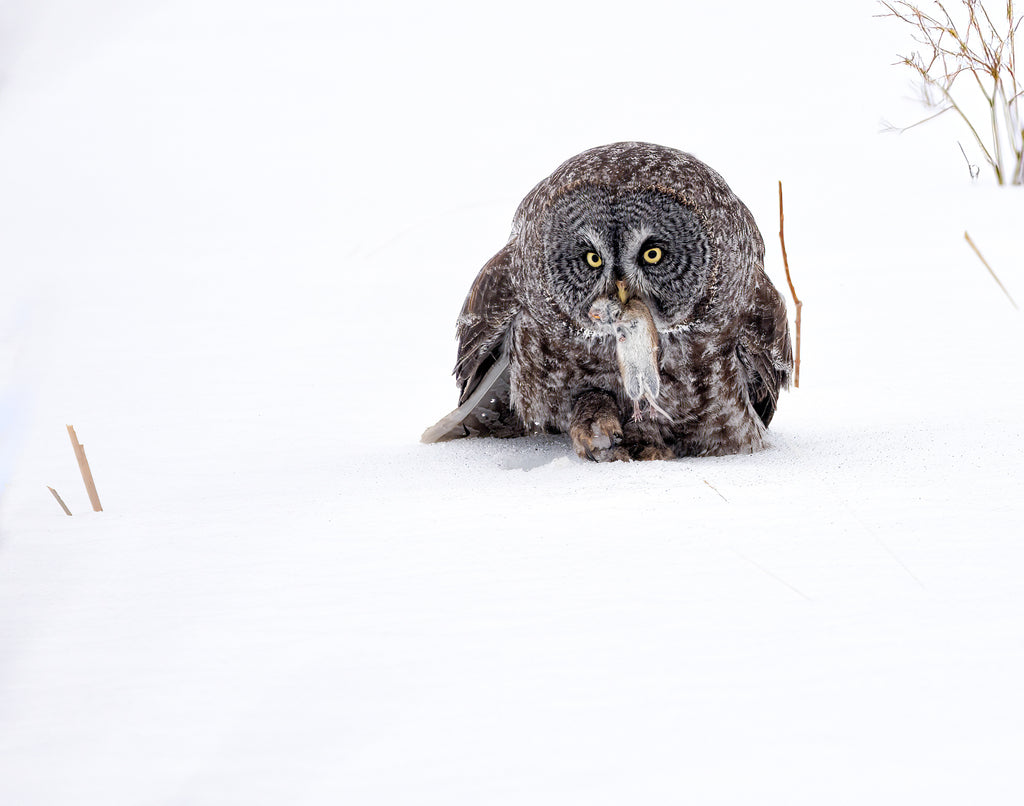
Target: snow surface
(289, 600)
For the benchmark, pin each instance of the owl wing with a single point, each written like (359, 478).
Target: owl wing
(765, 350)
(482, 366)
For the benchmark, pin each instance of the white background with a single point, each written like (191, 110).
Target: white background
(234, 237)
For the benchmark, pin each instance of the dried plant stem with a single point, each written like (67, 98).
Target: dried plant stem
(796, 300)
(59, 500)
(972, 169)
(83, 467)
(713, 487)
(985, 264)
(985, 50)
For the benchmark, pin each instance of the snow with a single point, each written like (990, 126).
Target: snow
(289, 599)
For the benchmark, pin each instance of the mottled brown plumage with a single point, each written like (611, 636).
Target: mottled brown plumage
(668, 228)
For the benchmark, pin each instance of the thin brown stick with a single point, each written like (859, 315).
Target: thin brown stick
(985, 264)
(713, 487)
(973, 170)
(59, 500)
(796, 300)
(83, 466)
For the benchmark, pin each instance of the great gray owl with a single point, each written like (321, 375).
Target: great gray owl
(641, 222)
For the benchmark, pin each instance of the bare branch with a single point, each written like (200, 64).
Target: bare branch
(994, 276)
(792, 290)
(976, 45)
(900, 129)
(972, 169)
(83, 467)
(59, 500)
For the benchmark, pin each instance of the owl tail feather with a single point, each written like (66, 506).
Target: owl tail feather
(484, 413)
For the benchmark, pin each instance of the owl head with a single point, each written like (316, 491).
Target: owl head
(640, 215)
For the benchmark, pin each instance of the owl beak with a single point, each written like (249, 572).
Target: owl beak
(623, 293)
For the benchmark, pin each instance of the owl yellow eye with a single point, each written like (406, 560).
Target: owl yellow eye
(652, 255)
(594, 260)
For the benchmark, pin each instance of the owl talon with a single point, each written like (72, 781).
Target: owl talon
(645, 442)
(599, 439)
(659, 453)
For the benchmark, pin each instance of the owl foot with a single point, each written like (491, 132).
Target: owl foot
(644, 442)
(599, 440)
(596, 430)
(655, 453)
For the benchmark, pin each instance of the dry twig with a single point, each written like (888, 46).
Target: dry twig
(990, 271)
(59, 500)
(796, 300)
(983, 52)
(713, 487)
(83, 467)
